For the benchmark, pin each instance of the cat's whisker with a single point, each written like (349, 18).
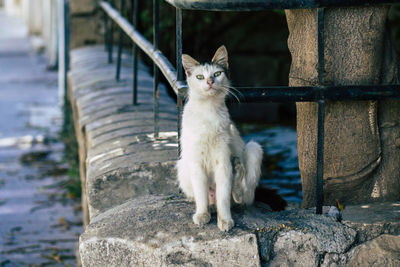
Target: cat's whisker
(235, 96)
(233, 88)
(232, 94)
(228, 91)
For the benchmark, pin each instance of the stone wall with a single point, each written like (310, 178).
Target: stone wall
(86, 24)
(136, 216)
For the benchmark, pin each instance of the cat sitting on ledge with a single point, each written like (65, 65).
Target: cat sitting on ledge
(215, 165)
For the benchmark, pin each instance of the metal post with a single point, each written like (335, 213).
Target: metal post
(111, 38)
(321, 116)
(66, 45)
(118, 72)
(135, 51)
(155, 68)
(106, 31)
(179, 70)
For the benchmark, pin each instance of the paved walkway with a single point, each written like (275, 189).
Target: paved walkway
(38, 224)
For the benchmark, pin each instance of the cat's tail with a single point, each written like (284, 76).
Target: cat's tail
(253, 154)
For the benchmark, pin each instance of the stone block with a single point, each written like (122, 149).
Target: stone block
(381, 251)
(158, 231)
(85, 31)
(123, 183)
(374, 219)
(82, 6)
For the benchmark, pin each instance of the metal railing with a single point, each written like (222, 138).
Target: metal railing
(174, 76)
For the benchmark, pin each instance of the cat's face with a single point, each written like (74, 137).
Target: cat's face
(210, 79)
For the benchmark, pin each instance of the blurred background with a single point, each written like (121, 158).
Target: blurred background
(258, 55)
(40, 33)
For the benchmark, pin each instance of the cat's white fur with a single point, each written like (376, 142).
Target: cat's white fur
(211, 144)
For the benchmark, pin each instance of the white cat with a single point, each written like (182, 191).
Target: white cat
(210, 145)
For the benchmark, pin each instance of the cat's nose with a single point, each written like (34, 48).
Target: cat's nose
(210, 81)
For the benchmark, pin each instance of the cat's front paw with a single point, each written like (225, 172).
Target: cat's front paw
(225, 225)
(201, 218)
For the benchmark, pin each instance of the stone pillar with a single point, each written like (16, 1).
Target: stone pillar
(62, 68)
(49, 30)
(35, 22)
(86, 24)
(13, 7)
(362, 139)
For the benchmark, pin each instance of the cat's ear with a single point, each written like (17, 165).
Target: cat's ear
(189, 64)
(221, 57)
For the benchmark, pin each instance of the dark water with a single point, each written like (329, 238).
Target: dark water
(280, 163)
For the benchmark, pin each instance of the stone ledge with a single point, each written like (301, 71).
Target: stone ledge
(373, 220)
(158, 231)
(120, 158)
(126, 170)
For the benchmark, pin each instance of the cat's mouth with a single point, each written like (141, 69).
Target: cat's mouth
(211, 89)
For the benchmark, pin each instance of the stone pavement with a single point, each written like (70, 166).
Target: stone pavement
(38, 224)
(136, 217)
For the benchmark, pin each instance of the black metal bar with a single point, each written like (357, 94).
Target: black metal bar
(118, 71)
(251, 94)
(66, 46)
(316, 93)
(179, 71)
(155, 68)
(319, 196)
(135, 20)
(105, 31)
(111, 39)
(321, 59)
(252, 5)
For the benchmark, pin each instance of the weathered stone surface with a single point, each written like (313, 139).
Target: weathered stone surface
(123, 183)
(360, 159)
(82, 6)
(299, 237)
(160, 226)
(119, 156)
(91, 33)
(158, 231)
(381, 251)
(128, 173)
(297, 248)
(141, 144)
(373, 220)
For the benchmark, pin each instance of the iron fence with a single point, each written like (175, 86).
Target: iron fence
(174, 76)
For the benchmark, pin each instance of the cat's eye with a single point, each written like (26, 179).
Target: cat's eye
(216, 74)
(200, 77)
